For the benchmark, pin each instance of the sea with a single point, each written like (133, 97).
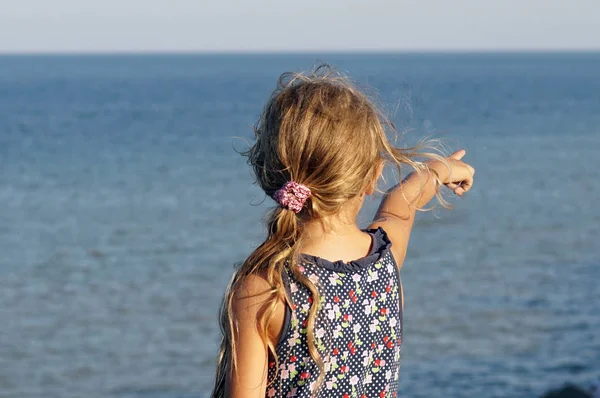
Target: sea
(125, 205)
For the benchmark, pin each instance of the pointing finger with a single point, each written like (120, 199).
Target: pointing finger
(458, 155)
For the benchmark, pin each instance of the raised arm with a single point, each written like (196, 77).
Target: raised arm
(396, 214)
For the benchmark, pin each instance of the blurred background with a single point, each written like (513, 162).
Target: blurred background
(124, 204)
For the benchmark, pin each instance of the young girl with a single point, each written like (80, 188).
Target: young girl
(316, 309)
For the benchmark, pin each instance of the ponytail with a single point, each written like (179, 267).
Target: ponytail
(279, 251)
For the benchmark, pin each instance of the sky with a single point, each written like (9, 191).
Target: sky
(31, 26)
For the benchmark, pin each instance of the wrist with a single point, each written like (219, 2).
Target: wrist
(439, 169)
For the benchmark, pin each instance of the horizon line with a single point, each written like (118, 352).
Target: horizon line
(307, 52)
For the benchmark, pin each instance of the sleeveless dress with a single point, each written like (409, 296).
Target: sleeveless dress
(358, 330)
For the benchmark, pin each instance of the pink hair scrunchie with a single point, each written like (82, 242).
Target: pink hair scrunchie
(292, 196)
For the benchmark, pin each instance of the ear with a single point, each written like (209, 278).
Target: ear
(373, 184)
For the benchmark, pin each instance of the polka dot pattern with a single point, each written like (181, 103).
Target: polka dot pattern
(358, 330)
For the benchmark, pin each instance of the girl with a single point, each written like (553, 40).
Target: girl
(316, 309)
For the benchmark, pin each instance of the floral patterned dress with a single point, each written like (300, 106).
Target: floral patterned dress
(358, 330)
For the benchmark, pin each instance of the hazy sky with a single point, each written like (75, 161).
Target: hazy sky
(270, 25)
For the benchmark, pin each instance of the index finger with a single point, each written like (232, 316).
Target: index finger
(458, 155)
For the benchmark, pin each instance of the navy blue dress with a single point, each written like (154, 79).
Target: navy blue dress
(358, 329)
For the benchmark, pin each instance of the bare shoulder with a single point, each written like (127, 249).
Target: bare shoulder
(250, 293)
(253, 297)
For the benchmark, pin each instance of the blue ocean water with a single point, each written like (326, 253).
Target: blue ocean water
(124, 205)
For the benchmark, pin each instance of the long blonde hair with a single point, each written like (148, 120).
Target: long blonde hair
(319, 130)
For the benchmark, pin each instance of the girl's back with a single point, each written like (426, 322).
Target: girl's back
(358, 327)
(316, 309)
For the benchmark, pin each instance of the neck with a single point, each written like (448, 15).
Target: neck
(335, 225)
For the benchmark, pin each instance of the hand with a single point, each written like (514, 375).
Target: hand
(459, 176)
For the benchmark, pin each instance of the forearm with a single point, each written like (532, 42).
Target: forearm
(414, 192)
